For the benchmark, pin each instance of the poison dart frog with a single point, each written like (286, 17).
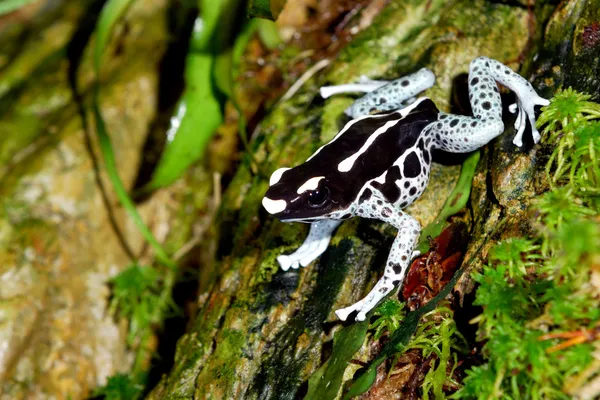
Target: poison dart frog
(379, 163)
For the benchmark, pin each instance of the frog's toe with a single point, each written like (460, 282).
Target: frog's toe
(343, 313)
(361, 316)
(536, 135)
(285, 262)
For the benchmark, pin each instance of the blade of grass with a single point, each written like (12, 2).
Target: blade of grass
(122, 195)
(110, 14)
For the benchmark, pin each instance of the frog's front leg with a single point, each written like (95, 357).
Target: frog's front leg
(314, 245)
(399, 259)
(382, 95)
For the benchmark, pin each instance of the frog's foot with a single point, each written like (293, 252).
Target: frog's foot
(381, 289)
(315, 244)
(524, 107)
(304, 255)
(343, 313)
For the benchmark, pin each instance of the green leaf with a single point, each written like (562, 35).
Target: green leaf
(110, 14)
(208, 71)
(326, 381)
(111, 169)
(196, 118)
(268, 33)
(7, 6)
(456, 201)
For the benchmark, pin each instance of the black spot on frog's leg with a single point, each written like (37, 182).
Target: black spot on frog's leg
(426, 156)
(412, 191)
(397, 268)
(366, 195)
(389, 189)
(386, 212)
(346, 216)
(412, 165)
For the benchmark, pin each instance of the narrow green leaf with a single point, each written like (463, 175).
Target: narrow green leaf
(205, 25)
(365, 381)
(110, 14)
(197, 116)
(111, 169)
(454, 203)
(208, 72)
(222, 72)
(326, 381)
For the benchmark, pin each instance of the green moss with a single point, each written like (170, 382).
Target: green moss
(121, 387)
(229, 348)
(535, 292)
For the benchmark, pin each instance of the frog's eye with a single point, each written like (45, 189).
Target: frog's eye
(318, 197)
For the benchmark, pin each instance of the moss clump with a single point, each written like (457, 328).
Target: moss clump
(541, 307)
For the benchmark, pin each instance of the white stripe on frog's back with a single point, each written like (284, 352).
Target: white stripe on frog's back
(403, 113)
(347, 164)
(340, 133)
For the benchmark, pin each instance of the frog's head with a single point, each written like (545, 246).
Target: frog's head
(294, 195)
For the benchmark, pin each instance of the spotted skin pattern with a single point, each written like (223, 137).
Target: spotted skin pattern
(377, 175)
(391, 96)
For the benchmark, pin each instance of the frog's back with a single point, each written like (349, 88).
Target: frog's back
(368, 146)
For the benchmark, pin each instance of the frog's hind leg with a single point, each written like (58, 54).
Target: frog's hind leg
(383, 95)
(314, 245)
(461, 134)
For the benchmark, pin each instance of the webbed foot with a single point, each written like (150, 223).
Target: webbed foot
(524, 107)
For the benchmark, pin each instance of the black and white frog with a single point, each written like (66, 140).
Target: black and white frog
(378, 164)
